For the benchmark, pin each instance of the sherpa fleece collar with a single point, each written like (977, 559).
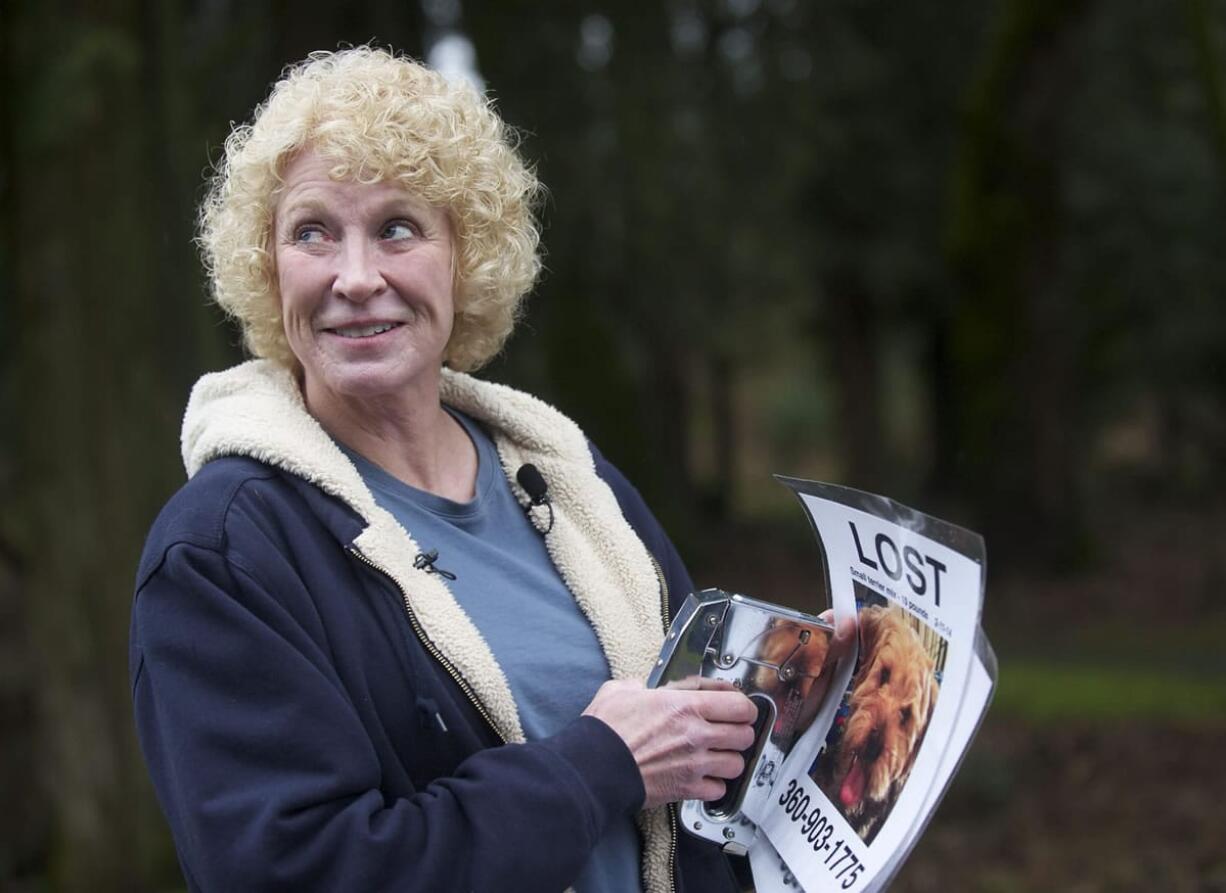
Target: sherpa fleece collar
(256, 409)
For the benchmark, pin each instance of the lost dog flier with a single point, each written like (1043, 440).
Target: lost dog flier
(859, 784)
(772, 875)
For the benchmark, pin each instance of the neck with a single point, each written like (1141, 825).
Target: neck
(409, 436)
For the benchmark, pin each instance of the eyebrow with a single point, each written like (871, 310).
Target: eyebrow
(394, 205)
(288, 212)
(300, 205)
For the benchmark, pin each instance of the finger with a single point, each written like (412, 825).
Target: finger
(725, 706)
(844, 635)
(725, 764)
(687, 683)
(699, 683)
(706, 789)
(725, 737)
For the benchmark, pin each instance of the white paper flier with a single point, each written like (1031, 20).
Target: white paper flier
(857, 789)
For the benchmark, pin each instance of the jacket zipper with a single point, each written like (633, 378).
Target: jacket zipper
(666, 615)
(665, 610)
(430, 647)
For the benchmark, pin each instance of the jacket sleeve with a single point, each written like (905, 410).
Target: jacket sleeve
(269, 780)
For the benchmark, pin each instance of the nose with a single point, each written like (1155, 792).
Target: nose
(873, 746)
(358, 277)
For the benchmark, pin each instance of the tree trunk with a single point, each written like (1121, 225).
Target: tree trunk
(1014, 333)
(95, 457)
(850, 334)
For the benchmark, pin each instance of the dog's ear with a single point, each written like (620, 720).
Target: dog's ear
(930, 700)
(928, 704)
(870, 628)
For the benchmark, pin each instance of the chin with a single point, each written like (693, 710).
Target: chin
(370, 381)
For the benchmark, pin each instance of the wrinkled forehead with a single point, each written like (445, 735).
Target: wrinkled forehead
(316, 163)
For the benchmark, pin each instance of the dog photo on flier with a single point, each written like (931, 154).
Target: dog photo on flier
(876, 735)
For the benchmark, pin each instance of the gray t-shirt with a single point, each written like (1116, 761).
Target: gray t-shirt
(510, 588)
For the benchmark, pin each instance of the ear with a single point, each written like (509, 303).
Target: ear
(870, 628)
(931, 700)
(928, 702)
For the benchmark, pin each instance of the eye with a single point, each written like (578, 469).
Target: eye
(309, 233)
(397, 230)
(904, 715)
(885, 676)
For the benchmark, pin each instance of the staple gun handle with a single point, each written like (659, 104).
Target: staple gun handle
(734, 794)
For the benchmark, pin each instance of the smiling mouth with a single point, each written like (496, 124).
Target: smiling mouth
(364, 331)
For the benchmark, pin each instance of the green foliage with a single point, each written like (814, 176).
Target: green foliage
(1042, 692)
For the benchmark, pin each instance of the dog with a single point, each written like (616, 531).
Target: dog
(892, 698)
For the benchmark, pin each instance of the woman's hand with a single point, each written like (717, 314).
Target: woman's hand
(687, 742)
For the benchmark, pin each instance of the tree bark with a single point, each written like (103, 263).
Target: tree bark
(1014, 334)
(851, 336)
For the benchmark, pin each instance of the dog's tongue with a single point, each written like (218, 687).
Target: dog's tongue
(853, 785)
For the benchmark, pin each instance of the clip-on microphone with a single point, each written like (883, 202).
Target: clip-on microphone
(426, 562)
(538, 492)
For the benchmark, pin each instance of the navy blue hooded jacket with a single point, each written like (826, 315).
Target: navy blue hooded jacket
(315, 713)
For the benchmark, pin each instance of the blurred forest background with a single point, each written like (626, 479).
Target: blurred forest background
(971, 254)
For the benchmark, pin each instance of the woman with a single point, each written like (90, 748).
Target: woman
(363, 656)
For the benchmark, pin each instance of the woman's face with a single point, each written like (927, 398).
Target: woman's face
(365, 276)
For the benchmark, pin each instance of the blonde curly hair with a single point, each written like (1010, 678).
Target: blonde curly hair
(378, 117)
